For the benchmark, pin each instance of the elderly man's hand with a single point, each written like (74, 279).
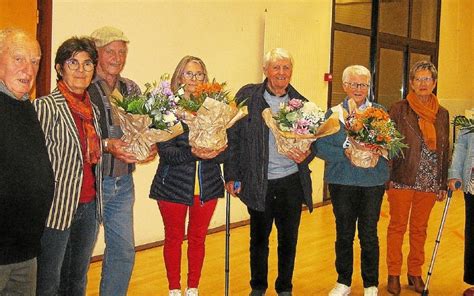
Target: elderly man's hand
(116, 148)
(297, 155)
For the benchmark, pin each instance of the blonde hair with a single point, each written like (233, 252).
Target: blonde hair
(178, 72)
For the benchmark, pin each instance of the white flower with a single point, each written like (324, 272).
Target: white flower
(309, 108)
(169, 117)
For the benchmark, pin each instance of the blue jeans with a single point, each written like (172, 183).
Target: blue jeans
(65, 255)
(356, 205)
(119, 255)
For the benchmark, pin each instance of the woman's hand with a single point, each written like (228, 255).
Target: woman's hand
(452, 184)
(297, 155)
(230, 187)
(441, 195)
(205, 153)
(151, 155)
(116, 148)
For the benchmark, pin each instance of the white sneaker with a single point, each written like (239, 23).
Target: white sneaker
(192, 292)
(371, 291)
(340, 290)
(175, 292)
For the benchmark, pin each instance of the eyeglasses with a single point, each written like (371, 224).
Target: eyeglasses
(355, 85)
(74, 64)
(419, 80)
(190, 75)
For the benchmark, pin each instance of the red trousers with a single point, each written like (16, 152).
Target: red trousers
(174, 220)
(413, 208)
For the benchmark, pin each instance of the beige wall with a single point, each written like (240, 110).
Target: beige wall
(227, 35)
(456, 57)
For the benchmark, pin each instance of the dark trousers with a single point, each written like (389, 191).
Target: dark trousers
(469, 240)
(65, 255)
(357, 205)
(282, 204)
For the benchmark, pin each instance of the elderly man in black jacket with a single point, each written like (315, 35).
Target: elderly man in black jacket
(26, 176)
(273, 186)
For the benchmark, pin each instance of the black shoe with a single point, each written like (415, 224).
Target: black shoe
(257, 293)
(286, 293)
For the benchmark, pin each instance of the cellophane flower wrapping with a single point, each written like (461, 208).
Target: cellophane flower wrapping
(297, 124)
(148, 118)
(371, 134)
(216, 112)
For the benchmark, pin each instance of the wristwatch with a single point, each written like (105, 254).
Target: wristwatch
(105, 144)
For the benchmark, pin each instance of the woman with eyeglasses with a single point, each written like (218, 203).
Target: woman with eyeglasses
(418, 176)
(70, 125)
(188, 180)
(356, 192)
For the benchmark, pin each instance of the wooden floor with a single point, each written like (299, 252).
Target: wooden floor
(314, 272)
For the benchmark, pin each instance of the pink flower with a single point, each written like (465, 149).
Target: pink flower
(295, 104)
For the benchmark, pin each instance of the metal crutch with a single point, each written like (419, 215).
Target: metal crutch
(227, 236)
(227, 241)
(438, 238)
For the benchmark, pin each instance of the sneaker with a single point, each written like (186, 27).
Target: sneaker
(175, 292)
(192, 292)
(340, 290)
(371, 291)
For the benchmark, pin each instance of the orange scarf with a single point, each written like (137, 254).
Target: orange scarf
(427, 117)
(84, 110)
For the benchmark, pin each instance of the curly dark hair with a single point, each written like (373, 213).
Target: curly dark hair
(70, 48)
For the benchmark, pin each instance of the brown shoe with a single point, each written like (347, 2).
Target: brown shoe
(416, 282)
(469, 292)
(393, 284)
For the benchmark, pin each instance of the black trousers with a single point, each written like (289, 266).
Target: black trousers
(283, 205)
(356, 205)
(469, 240)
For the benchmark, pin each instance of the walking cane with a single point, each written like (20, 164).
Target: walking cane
(227, 236)
(438, 238)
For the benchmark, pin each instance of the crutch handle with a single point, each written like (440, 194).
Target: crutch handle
(457, 185)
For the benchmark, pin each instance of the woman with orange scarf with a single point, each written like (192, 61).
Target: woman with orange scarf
(71, 130)
(418, 178)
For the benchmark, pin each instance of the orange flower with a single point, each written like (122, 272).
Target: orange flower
(357, 126)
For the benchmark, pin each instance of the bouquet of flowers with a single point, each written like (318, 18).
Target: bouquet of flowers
(297, 124)
(372, 134)
(147, 118)
(464, 123)
(209, 113)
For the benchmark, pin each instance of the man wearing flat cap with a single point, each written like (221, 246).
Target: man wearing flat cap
(119, 255)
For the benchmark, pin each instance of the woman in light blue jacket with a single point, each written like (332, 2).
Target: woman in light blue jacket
(462, 170)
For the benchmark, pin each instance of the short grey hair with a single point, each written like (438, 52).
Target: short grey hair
(10, 34)
(276, 54)
(355, 70)
(423, 65)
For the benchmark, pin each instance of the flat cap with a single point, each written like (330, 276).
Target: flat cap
(107, 34)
